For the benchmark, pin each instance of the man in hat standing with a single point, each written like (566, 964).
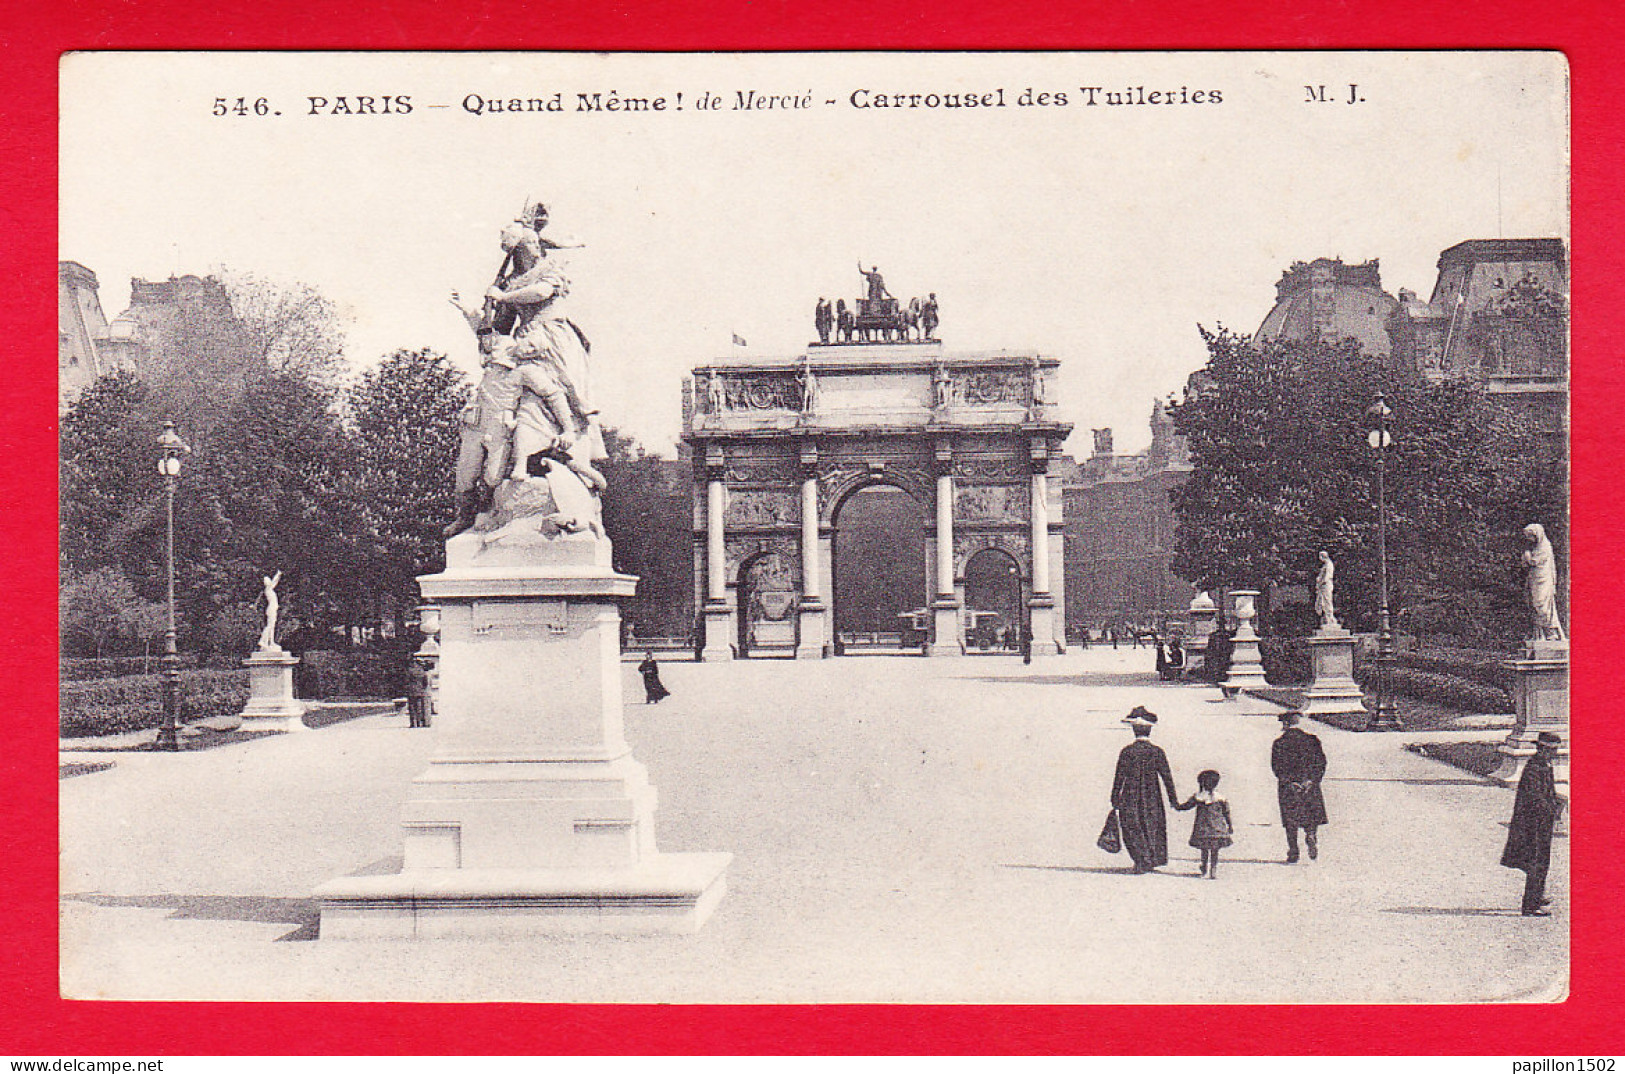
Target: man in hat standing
(1534, 814)
(1299, 764)
(1142, 773)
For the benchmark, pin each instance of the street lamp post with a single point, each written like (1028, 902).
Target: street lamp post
(171, 447)
(1385, 718)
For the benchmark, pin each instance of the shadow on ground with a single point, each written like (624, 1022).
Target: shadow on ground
(82, 768)
(1443, 781)
(190, 740)
(1452, 911)
(258, 909)
(1084, 679)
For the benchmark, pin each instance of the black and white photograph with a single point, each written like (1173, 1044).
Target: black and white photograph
(809, 528)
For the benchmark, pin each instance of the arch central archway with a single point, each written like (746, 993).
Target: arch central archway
(880, 557)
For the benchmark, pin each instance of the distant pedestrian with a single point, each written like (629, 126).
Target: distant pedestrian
(417, 694)
(654, 691)
(1299, 764)
(1176, 659)
(1026, 645)
(1212, 829)
(1216, 654)
(1142, 774)
(1534, 815)
(1162, 660)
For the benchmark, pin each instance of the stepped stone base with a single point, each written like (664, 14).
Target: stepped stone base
(663, 893)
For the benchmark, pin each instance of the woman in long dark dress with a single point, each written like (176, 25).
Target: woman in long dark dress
(654, 691)
(1142, 775)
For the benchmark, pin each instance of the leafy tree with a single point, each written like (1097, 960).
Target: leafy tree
(100, 612)
(108, 482)
(649, 517)
(288, 328)
(1282, 469)
(264, 493)
(404, 421)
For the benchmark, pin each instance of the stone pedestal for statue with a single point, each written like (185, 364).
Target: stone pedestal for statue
(1246, 664)
(945, 639)
(719, 632)
(1332, 690)
(1540, 695)
(271, 704)
(532, 816)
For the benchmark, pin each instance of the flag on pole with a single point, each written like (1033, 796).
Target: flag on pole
(739, 340)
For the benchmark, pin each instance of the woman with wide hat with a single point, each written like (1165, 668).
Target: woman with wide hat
(1142, 775)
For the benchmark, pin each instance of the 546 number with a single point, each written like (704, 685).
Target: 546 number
(242, 106)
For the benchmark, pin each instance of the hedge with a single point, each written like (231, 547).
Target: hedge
(1468, 695)
(325, 674)
(87, 668)
(1286, 660)
(113, 706)
(1485, 669)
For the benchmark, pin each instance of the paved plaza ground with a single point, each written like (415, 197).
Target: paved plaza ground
(902, 829)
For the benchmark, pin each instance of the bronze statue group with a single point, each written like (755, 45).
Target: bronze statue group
(1138, 822)
(876, 318)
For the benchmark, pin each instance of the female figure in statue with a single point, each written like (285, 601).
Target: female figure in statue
(268, 635)
(556, 411)
(1323, 592)
(1541, 562)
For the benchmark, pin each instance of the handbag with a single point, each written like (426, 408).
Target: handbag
(1111, 836)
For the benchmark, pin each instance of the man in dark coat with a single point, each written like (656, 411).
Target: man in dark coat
(1216, 654)
(417, 693)
(1534, 814)
(1299, 764)
(1142, 773)
(654, 691)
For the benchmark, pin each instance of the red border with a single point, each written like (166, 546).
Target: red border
(34, 1020)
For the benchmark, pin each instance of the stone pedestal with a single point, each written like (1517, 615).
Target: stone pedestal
(811, 642)
(719, 632)
(1332, 689)
(945, 639)
(271, 704)
(1204, 615)
(1540, 695)
(1246, 665)
(532, 816)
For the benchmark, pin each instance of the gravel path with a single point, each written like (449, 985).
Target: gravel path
(903, 830)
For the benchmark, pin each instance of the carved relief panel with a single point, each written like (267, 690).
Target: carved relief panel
(990, 503)
(761, 507)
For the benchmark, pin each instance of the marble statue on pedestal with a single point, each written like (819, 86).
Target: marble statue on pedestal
(533, 409)
(1323, 592)
(532, 815)
(268, 635)
(1541, 563)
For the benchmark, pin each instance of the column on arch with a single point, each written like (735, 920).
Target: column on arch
(1041, 605)
(946, 638)
(718, 616)
(811, 635)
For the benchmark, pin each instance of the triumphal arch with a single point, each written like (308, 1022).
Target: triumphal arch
(782, 445)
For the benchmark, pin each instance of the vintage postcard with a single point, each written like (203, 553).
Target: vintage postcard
(815, 527)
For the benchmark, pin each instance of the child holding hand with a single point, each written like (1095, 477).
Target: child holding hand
(1211, 829)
